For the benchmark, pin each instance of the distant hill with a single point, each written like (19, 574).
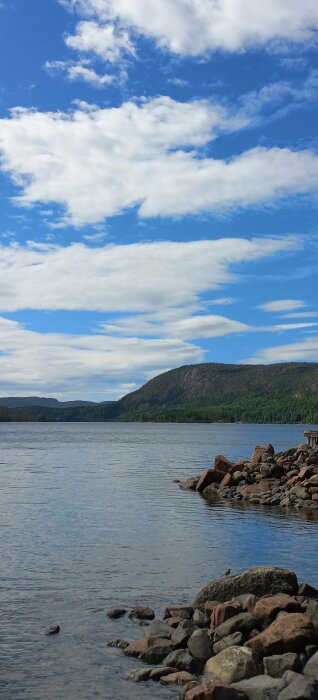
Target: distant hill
(280, 393)
(23, 401)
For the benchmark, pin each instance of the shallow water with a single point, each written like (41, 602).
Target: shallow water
(90, 518)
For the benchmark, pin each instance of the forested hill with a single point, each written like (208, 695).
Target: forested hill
(283, 393)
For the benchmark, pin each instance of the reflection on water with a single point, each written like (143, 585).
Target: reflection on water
(90, 518)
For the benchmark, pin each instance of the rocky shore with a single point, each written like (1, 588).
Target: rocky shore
(287, 479)
(251, 636)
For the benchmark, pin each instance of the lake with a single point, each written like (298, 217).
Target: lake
(90, 518)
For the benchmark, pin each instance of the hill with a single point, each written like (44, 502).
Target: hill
(26, 401)
(280, 393)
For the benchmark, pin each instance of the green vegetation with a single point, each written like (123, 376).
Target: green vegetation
(284, 393)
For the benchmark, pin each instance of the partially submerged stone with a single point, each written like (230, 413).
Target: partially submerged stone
(116, 613)
(54, 629)
(177, 678)
(214, 690)
(141, 613)
(261, 580)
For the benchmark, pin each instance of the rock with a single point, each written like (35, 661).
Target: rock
(214, 690)
(118, 644)
(183, 612)
(289, 632)
(260, 451)
(172, 621)
(300, 689)
(224, 612)
(138, 674)
(189, 484)
(156, 674)
(181, 660)
(158, 629)
(138, 647)
(262, 488)
(177, 678)
(311, 668)
(116, 613)
(276, 665)
(54, 629)
(200, 645)
(226, 481)
(210, 492)
(232, 640)
(301, 492)
(268, 607)
(261, 687)
(261, 580)
(312, 613)
(244, 622)
(182, 633)
(210, 476)
(157, 652)
(142, 614)
(232, 665)
(209, 606)
(201, 619)
(222, 464)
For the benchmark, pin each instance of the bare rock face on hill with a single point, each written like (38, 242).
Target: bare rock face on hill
(262, 580)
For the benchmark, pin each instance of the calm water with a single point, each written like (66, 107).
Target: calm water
(90, 518)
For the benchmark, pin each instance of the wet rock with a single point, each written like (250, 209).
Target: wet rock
(118, 644)
(210, 492)
(157, 652)
(141, 613)
(182, 660)
(182, 633)
(210, 476)
(200, 645)
(232, 665)
(54, 629)
(243, 622)
(269, 607)
(158, 629)
(116, 613)
(177, 678)
(156, 674)
(172, 622)
(189, 484)
(183, 612)
(222, 464)
(232, 640)
(261, 580)
(312, 612)
(226, 481)
(300, 689)
(290, 632)
(138, 647)
(201, 619)
(138, 675)
(276, 665)
(259, 452)
(224, 612)
(311, 667)
(261, 687)
(214, 690)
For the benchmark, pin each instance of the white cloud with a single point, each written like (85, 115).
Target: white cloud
(301, 314)
(104, 41)
(139, 277)
(79, 71)
(224, 301)
(282, 305)
(97, 162)
(303, 351)
(194, 27)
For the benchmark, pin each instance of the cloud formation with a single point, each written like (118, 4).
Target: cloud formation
(282, 305)
(195, 27)
(96, 163)
(302, 351)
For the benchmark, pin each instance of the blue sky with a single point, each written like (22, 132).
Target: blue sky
(158, 202)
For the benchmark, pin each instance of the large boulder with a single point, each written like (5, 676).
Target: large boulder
(214, 690)
(311, 668)
(260, 451)
(200, 645)
(276, 665)
(261, 687)
(290, 632)
(300, 689)
(261, 580)
(269, 606)
(222, 464)
(210, 476)
(232, 665)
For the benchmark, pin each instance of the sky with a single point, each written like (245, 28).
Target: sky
(158, 190)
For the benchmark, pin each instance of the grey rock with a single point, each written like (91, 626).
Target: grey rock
(232, 665)
(54, 629)
(156, 674)
(118, 644)
(277, 664)
(141, 613)
(189, 686)
(232, 640)
(138, 674)
(243, 622)
(157, 653)
(311, 668)
(177, 678)
(301, 492)
(200, 645)
(116, 613)
(261, 687)
(261, 580)
(201, 619)
(158, 629)
(182, 633)
(300, 689)
(312, 612)
(181, 660)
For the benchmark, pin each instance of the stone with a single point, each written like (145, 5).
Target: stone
(177, 678)
(189, 484)
(301, 492)
(158, 629)
(138, 647)
(182, 661)
(268, 607)
(276, 665)
(183, 612)
(210, 492)
(210, 605)
(222, 464)
(156, 674)
(182, 633)
(210, 476)
(157, 652)
(311, 667)
(118, 644)
(262, 488)
(138, 674)
(200, 645)
(142, 614)
(260, 451)
(232, 665)
(172, 621)
(289, 632)
(226, 481)
(116, 613)
(232, 640)
(54, 629)
(201, 619)
(224, 612)
(261, 687)
(312, 612)
(214, 690)
(244, 622)
(261, 580)
(300, 689)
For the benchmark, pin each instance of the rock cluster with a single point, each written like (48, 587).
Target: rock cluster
(258, 640)
(287, 479)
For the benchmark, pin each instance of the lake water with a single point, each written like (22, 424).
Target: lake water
(90, 518)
